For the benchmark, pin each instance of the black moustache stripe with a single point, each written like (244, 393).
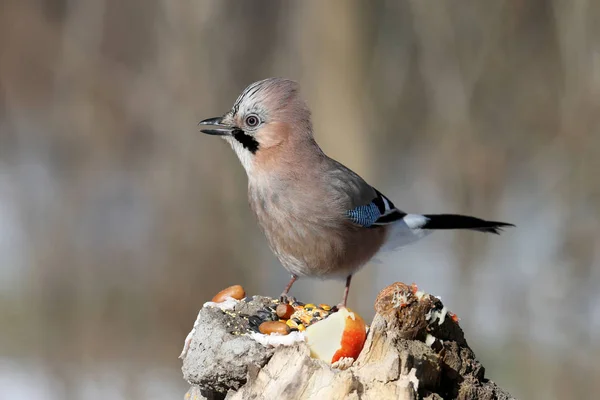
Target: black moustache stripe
(247, 141)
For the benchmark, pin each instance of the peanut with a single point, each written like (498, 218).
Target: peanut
(271, 327)
(235, 291)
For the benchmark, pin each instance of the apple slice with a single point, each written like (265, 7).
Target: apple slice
(342, 334)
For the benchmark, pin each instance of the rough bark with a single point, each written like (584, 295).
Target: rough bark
(415, 349)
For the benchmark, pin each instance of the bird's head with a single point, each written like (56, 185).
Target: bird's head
(267, 115)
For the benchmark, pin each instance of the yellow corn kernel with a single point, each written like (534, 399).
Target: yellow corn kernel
(292, 324)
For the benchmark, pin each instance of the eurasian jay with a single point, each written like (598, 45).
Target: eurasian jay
(320, 218)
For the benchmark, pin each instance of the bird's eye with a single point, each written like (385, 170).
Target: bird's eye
(252, 120)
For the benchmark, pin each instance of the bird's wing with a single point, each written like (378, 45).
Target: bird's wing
(380, 211)
(362, 204)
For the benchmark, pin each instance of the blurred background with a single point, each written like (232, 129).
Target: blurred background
(118, 220)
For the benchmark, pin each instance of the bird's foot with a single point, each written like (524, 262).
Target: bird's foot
(285, 298)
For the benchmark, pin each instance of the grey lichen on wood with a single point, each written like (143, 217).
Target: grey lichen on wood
(219, 357)
(414, 350)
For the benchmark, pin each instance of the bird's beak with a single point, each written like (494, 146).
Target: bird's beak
(223, 130)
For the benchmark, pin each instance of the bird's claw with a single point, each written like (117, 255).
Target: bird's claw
(284, 298)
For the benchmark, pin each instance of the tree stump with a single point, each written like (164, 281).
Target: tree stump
(414, 349)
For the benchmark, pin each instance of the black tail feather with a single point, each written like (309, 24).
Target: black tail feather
(453, 221)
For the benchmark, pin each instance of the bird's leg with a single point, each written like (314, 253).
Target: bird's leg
(346, 291)
(284, 296)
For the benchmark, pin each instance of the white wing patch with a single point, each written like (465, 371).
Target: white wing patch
(386, 203)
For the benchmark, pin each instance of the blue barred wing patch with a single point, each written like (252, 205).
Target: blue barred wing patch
(365, 215)
(380, 211)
